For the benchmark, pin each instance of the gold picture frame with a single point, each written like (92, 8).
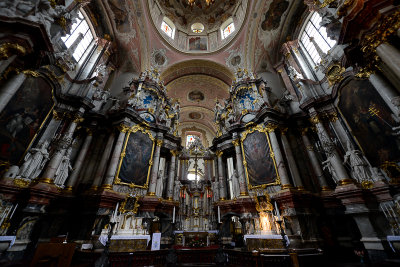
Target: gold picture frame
(261, 129)
(127, 206)
(134, 129)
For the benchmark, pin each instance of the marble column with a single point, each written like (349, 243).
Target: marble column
(62, 147)
(291, 161)
(239, 166)
(331, 152)
(79, 162)
(171, 177)
(103, 162)
(221, 178)
(280, 164)
(338, 128)
(154, 169)
(115, 157)
(387, 92)
(314, 161)
(8, 90)
(390, 55)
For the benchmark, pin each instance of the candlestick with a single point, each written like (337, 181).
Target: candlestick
(116, 211)
(219, 215)
(173, 216)
(277, 211)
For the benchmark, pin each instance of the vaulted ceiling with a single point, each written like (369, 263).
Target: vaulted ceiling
(197, 79)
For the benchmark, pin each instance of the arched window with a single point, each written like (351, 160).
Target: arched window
(227, 28)
(168, 27)
(189, 139)
(314, 38)
(80, 30)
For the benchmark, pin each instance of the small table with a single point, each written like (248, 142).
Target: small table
(126, 243)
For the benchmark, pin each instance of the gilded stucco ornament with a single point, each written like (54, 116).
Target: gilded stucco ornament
(334, 74)
(9, 49)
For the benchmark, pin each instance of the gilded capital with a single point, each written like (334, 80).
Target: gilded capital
(123, 128)
(174, 152)
(303, 131)
(284, 130)
(219, 153)
(159, 142)
(333, 116)
(236, 142)
(271, 127)
(77, 119)
(57, 116)
(315, 119)
(8, 49)
(31, 73)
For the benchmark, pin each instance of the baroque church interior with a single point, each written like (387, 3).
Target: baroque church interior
(199, 132)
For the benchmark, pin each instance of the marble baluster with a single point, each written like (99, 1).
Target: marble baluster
(8, 90)
(314, 161)
(116, 154)
(239, 166)
(291, 161)
(98, 178)
(280, 164)
(79, 161)
(221, 178)
(154, 169)
(171, 177)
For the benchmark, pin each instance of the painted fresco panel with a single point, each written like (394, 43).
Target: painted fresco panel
(22, 118)
(260, 165)
(373, 132)
(198, 43)
(135, 164)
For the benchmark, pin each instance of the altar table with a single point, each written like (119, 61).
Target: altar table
(263, 241)
(126, 243)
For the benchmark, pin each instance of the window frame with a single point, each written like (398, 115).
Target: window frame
(226, 24)
(170, 24)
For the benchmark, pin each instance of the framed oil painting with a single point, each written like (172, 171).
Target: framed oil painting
(198, 43)
(260, 165)
(23, 117)
(134, 167)
(370, 121)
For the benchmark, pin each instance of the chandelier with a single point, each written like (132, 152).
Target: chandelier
(208, 2)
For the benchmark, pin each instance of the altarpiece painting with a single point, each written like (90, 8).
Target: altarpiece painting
(370, 121)
(135, 164)
(22, 118)
(260, 169)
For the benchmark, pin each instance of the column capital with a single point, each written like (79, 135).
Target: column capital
(123, 128)
(271, 127)
(236, 142)
(333, 116)
(219, 153)
(315, 119)
(57, 115)
(174, 152)
(283, 130)
(159, 142)
(303, 131)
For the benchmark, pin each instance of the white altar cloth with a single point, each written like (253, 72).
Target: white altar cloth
(208, 231)
(103, 238)
(8, 238)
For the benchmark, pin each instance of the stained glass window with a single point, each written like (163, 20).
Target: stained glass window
(80, 29)
(167, 29)
(228, 30)
(189, 140)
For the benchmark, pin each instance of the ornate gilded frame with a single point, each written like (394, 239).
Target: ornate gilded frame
(135, 206)
(261, 129)
(134, 129)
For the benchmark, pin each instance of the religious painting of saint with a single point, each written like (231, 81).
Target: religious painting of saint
(260, 168)
(22, 117)
(198, 43)
(136, 162)
(274, 15)
(370, 121)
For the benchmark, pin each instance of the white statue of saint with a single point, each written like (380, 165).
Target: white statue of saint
(359, 167)
(215, 189)
(160, 185)
(327, 164)
(177, 188)
(34, 162)
(63, 169)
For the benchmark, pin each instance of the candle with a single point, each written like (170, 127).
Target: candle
(115, 212)
(277, 211)
(219, 215)
(173, 216)
(13, 211)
